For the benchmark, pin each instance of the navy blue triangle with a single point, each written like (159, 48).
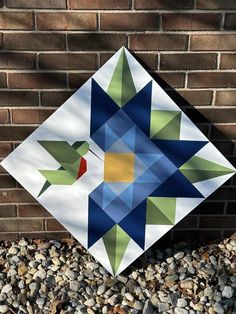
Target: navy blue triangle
(134, 224)
(177, 186)
(139, 108)
(179, 151)
(98, 222)
(102, 107)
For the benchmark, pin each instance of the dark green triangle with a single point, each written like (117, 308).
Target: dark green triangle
(116, 241)
(121, 88)
(198, 169)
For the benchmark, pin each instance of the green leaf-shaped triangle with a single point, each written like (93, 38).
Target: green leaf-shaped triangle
(198, 169)
(121, 88)
(116, 241)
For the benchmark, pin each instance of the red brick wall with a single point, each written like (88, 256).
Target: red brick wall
(50, 47)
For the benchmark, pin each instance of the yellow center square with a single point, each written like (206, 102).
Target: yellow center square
(119, 167)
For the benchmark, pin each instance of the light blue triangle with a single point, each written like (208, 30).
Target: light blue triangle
(129, 138)
(127, 196)
(119, 147)
(118, 187)
(149, 159)
(108, 195)
(139, 168)
(110, 137)
(148, 177)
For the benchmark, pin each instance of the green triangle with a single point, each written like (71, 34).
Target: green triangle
(198, 169)
(161, 210)
(116, 241)
(121, 88)
(165, 124)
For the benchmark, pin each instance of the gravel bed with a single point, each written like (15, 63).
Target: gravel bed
(61, 277)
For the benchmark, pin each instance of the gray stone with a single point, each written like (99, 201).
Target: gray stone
(70, 274)
(227, 292)
(3, 308)
(40, 301)
(179, 255)
(163, 307)
(101, 289)
(148, 309)
(7, 288)
(138, 305)
(218, 308)
(74, 285)
(181, 302)
(208, 291)
(13, 250)
(180, 310)
(11, 272)
(41, 273)
(90, 302)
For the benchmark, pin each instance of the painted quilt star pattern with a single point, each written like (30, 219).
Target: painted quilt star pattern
(119, 163)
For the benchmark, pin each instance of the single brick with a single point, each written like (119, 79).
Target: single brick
(30, 116)
(34, 41)
(213, 42)
(83, 42)
(231, 208)
(212, 79)
(7, 211)
(197, 98)
(188, 61)
(192, 235)
(30, 225)
(209, 208)
(35, 4)
(163, 4)
(37, 80)
(225, 222)
(230, 21)
(66, 21)
(4, 116)
(32, 211)
(76, 80)
(8, 225)
(191, 21)
(229, 130)
(70, 61)
(15, 196)
(99, 4)
(188, 222)
(224, 115)
(158, 42)
(226, 98)
(228, 61)
(3, 81)
(16, 20)
(173, 79)
(18, 98)
(15, 133)
(130, 21)
(7, 181)
(216, 4)
(5, 149)
(52, 99)
(15, 60)
(54, 225)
